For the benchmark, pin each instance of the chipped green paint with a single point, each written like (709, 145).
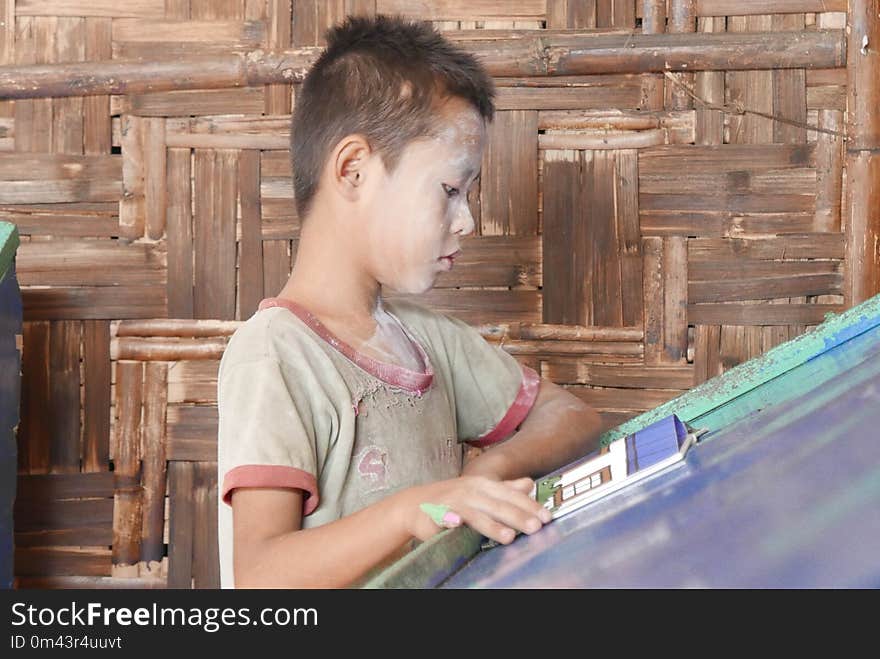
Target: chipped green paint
(710, 395)
(9, 242)
(815, 377)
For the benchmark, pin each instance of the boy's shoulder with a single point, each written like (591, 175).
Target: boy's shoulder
(261, 336)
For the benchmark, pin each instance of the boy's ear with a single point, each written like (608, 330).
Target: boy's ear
(349, 164)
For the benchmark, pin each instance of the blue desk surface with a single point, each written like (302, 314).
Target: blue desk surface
(788, 495)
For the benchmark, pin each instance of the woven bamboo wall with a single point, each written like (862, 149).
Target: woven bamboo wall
(639, 231)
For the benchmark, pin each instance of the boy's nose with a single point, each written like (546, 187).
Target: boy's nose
(464, 222)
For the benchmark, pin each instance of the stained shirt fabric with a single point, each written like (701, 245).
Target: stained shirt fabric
(300, 408)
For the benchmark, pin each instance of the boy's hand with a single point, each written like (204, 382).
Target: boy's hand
(496, 509)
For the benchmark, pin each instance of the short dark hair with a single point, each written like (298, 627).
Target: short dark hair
(357, 84)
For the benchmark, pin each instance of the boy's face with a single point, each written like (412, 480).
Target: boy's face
(417, 215)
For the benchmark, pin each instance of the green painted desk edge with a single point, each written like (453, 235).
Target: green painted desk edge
(9, 242)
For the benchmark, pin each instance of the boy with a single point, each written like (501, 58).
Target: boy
(340, 413)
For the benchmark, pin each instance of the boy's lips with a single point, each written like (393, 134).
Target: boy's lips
(449, 259)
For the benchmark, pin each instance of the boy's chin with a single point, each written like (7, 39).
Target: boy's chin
(412, 287)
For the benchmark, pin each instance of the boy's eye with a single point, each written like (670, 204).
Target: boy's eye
(450, 191)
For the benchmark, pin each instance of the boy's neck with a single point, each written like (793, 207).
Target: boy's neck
(328, 278)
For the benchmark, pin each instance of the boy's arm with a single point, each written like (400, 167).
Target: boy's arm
(270, 550)
(558, 429)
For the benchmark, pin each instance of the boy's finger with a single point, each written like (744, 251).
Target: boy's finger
(511, 514)
(524, 484)
(487, 526)
(521, 498)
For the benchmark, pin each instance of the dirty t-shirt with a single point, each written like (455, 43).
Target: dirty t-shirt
(300, 408)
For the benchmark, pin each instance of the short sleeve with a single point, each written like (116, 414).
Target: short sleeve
(493, 392)
(264, 438)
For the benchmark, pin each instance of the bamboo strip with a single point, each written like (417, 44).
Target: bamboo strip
(750, 89)
(193, 382)
(180, 233)
(604, 295)
(59, 582)
(34, 433)
(63, 405)
(245, 100)
(760, 314)
(7, 41)
(789, 90)
(62, 561)
(97, 138)
(155, 397)
(682, 20)
(653, 22)
(756, 287)
(250, 252)
(829, 172)
(181, 523)
(67, 113)
(132, 205)
(49, 487)
(571, 14)
(154, 176)
(108, 8)
(564, 253)
(863, 152)
(92, 516)
(686, 160)
(629, 244)
(96, 404)
(752, 7)
(216, 9)
(609, 139)
(792, 181)
(508, 186)
(63, 220)
(562, 347)
(475, 10)
(714, 252)
(206, 559)
(709, 85)
(126, 454)
(221, 141)
(166, 349)
(536, 56)
(629, 376)
(90, 263)
(30, 116)
(59, 192)
(278, 97)
(216, 189)
(50, 166)
(613, 119)
(622, 399)
(80, 302)
(176, 327)
(707, 358)
(675, 299)
(652, 272)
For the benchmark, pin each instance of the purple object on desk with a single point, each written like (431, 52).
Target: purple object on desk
(783, 493)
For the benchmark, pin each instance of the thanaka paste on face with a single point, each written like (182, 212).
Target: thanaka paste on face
(414, 222)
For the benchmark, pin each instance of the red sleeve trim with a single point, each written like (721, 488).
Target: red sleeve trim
(272, 476)
(517, 412)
